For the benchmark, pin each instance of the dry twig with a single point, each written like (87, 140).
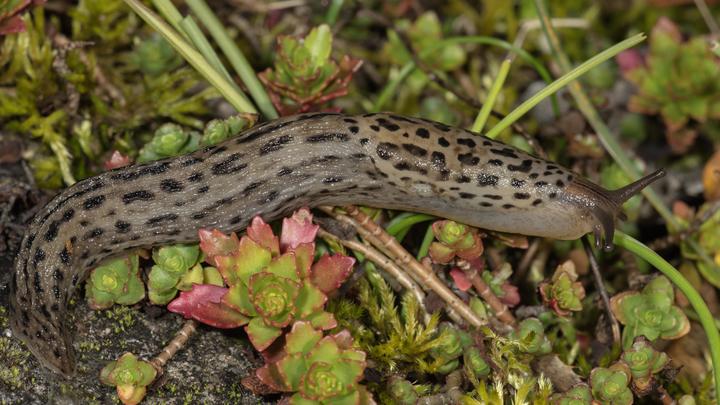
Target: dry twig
(483, 289)
(177, 343)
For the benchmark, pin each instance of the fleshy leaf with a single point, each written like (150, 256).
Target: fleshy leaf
(297, 229)
(204, 303)
(215, 243)
(260, 334)
(261, 233)
(302, 338)
(461, 280)
(309, 300)
(330, 272)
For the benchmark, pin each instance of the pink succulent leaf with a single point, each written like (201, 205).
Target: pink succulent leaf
(270, 376)
(297, 229)
(13, 25)
(116, 160)
(629, 60)
(262, 233)
(461, 280)
(512, 295)
(204, 303)
(215, 243)
(330, 272)
(343, 339)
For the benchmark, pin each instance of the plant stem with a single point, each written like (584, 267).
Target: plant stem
(693, 296)
(333, 12)
(608, 140)
(595, 267)
(483, 289)
(235, 56)
(194, 58)
(190, 27)
(405, 221)
(497, 85)
(563, 81)
(177, 343)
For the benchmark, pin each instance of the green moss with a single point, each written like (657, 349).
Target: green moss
(15, 372)
(123, 317)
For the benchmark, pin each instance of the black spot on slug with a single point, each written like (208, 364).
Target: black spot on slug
(275, 144)
(332, 180)
(443, 142)
(195, 177)
(466, 195)
(284, 171)
(507, 152)
(143, 195)
(521, 196)
(122, 226)
(517, 183)
(93, 233)
(390, 126)
(337, 137)
(94, 202)
(161, 218)
(495, 162)
(484, 180)
(467, 142)
(386, 150)
(493, 196)
(525, 166)
(64, 257)
(171, 186)
(468, 159)
(423, 133)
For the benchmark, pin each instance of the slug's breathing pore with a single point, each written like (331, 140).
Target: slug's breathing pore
(378, 160)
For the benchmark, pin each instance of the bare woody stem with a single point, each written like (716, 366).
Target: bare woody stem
(381, 261)
(483, 289)
(427, 278)
(177, 343)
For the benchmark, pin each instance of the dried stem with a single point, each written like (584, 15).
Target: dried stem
(664, 397)
(601, 288)
(177, 343)
(483, 289)
(381, 261)
(427, 278)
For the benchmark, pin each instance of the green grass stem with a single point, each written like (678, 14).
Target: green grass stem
(487, 106)
(235, 56)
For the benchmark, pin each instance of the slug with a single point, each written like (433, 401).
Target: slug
(379, 160)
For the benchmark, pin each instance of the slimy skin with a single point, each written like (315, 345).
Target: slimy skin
(379, 160)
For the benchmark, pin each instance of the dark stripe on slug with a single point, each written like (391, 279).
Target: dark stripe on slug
(225, 167)
(191, 161)
(338, 137)
(332, 180)
(250, 187)
(56, 292)
(423, 133)
(468, 159)
(64, 258)
(524, 167)
(68, 215)
(466, 195)
(390, 126)
(521, 196)
(354, 129)
(507, 152)
(284, 171)
(151, 169)
(139, 195)
(495, 162)
(493, 196)
(443, 142)
(94, 202)
(414, 150)
(467, 142)
(171, 186)
(161, 218)
(214, 150)
(52, 231)
(38, 257)
(195, 177)
(276, 144)
(37, 284)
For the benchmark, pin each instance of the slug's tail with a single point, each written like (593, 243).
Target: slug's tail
(615, 198)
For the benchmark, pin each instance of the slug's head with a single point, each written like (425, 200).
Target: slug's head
(603, 206)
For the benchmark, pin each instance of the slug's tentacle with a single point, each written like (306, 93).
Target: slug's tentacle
(379, 160)
(605, 205)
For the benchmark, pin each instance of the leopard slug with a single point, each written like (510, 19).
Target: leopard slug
(379, 160)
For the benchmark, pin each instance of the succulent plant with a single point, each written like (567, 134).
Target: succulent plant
(474, 364)
(218, 130)
(531, 333)
(154, 56)
(610, 385)
(319, 370)
(680, 80)
(131, 377)
(563, 293)
(579, 394)
(448, 350)
(11, 21)
(117, 160)
(402, 391)
(305, 75)
(644, 361)
(650, 313)
(169, 140)
(271, 281)
(454, 239)
(500, 286)
(174, 264)
(116, 282)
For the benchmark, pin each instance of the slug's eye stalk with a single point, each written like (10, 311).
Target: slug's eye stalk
(609, 205)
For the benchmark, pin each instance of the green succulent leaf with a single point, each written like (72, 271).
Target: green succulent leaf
(261, 335)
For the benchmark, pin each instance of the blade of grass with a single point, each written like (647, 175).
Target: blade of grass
(425, 245)
(333, 12)
(405, 221)
(608, 140)
(567, 78)
(194, 58)
(391, 88)
(190, 27)
(235, 56)
(171, 14)
(487, 106)
(704, 315)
